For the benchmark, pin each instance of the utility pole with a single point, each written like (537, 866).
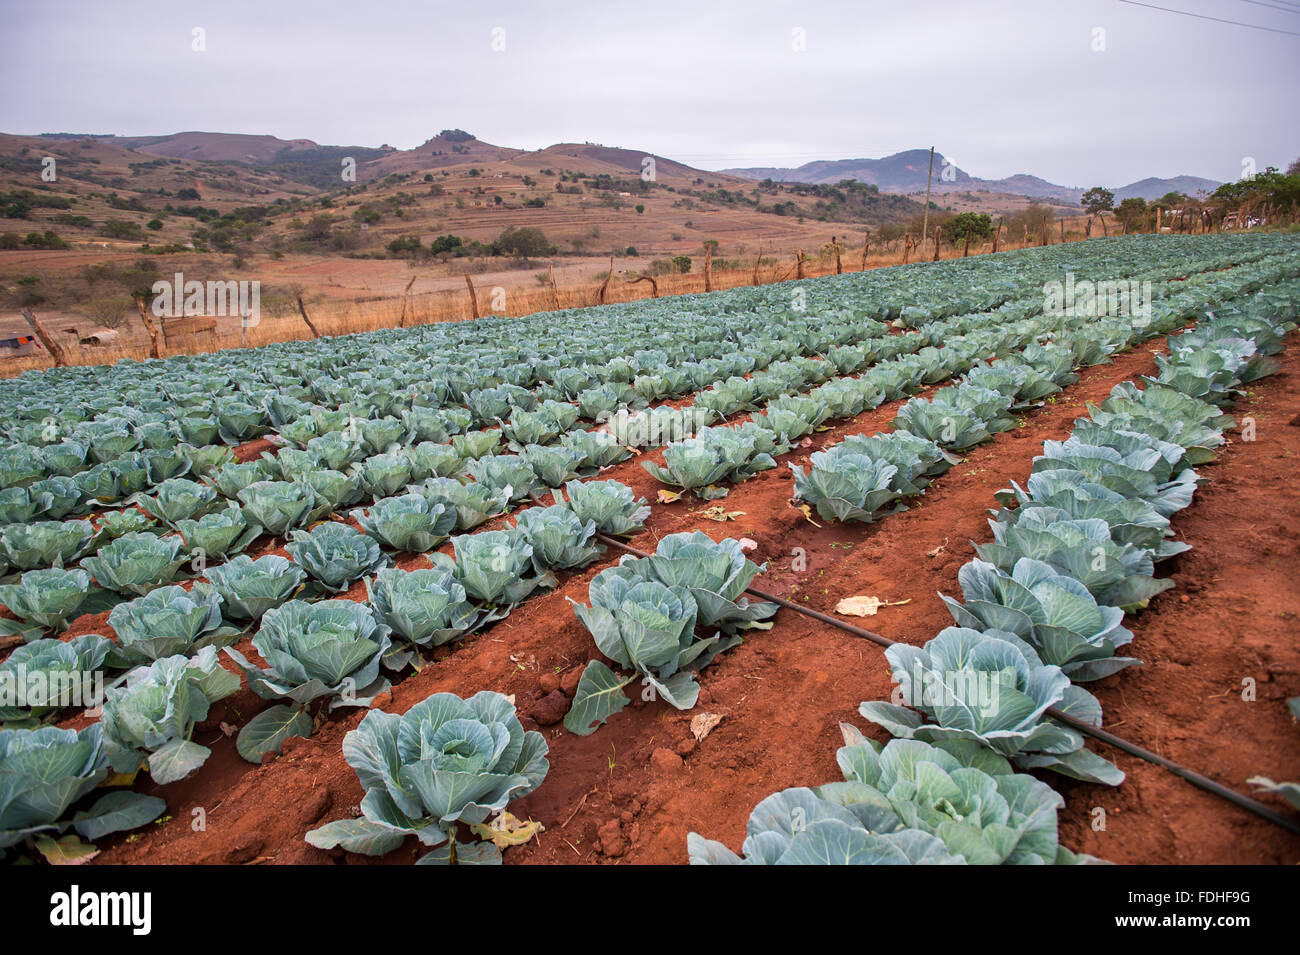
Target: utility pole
(925, 221)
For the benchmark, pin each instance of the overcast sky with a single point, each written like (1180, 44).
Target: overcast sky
(1001, 86)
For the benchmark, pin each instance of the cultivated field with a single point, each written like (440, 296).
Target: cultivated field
(562, 587)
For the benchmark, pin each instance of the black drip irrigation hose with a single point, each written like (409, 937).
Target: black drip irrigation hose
(1110, 739)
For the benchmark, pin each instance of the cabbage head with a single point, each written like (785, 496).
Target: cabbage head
(446, 761)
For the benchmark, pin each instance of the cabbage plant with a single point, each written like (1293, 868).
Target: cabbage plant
(422, 608)
(54, 674)
(648, 627)
(137, 563)
(507, 475)
(168, 621)
(230, 479)
(428, 460)
(150, 719)
(21, 504)
(334, 490)
(219, 534)
(44, 771)
(249, 588)
(1121, 575)
(335, 555)
(612, 506)
(278, 506)
(49, 599)
(446, 761)
(496, 568)
(896, 803)
(560, 540)
(596, 450)
(714, 455)
(473, 503)
(409, 522)
(177, 499)
(847, 487)
(114, 524)
(553, 465)
(45, 543)
(1068, 495)
(991, 688)
(331, 649)
(383, 475)
(1053, 612)
(717, 574)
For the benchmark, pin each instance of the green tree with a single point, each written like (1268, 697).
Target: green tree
(1134, 213)
(975, 224)
(525, 242)
(682, 263)
(1098, 201)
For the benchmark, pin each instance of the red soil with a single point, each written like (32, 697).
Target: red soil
(632, 790)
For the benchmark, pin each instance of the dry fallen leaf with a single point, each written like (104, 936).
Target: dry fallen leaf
(667, 497)
(864, 606)
(719, 513)
(747, 545)
(807, 513)
(506, 830)
(702, 725)
(228, 730)
(935, 551)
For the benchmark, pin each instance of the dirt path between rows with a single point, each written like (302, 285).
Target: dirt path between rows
(631, 791)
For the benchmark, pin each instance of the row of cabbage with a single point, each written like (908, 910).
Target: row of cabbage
(1034, 621)
(1052, 346)
(864, 476)
(66, 462)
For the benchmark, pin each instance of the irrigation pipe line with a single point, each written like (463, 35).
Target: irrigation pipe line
(1190, 775)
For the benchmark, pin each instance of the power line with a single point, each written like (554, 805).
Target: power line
(1272, 6)
(1202, 16)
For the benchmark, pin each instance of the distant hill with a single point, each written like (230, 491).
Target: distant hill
(906, 173)
(1153, 188)
(220, 147)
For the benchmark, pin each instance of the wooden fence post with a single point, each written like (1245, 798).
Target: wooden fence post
(1062, 222)
(550, 272)
(406, 297)
(473, 298)
(54, 348)
(302, 310)
(708, 266)
(938, 236)
(836, 245)
(604, 288)
(799, 265)
(907, 246)
(866, 247)
(965, 250)
(997, 234)
(155, 350)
